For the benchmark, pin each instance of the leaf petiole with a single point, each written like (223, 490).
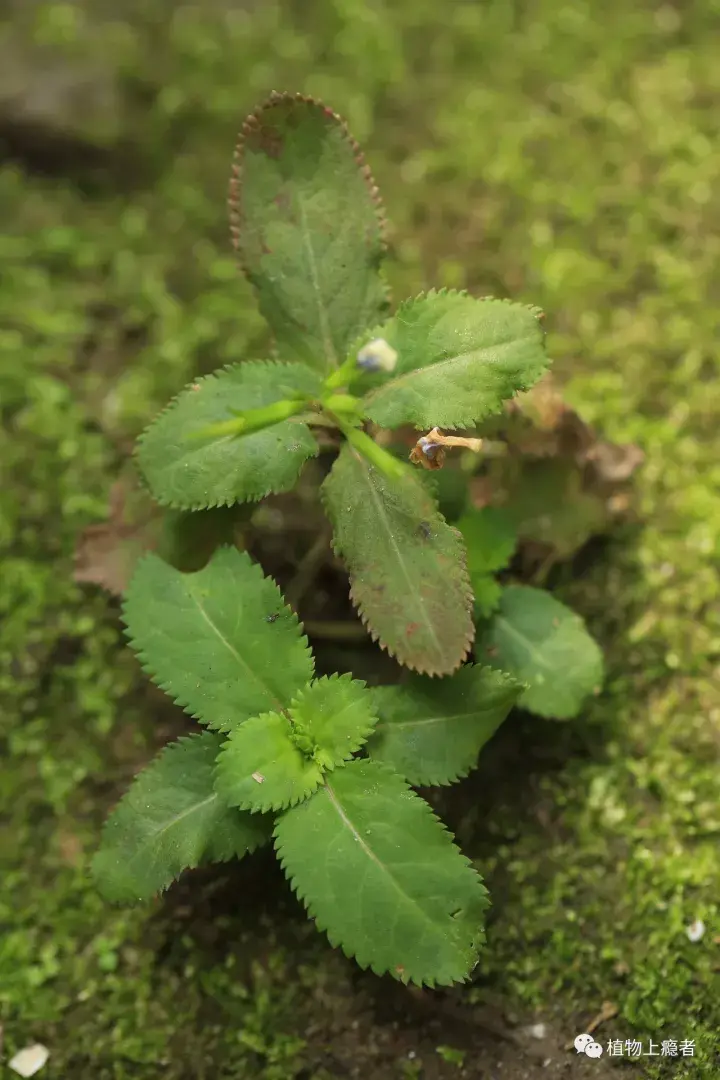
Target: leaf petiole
(375, 454)
(342, 403)
(344, 375)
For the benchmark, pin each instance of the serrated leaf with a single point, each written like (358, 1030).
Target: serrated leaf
(332, 718)
(431, 732)
(380, 874)
(171, 820)
(487, 591)
(459, 358)
(406, 564)
(261, 768)
(220, 641)
(305, 220)
(490, 539)
(546, 645)
(189, 472)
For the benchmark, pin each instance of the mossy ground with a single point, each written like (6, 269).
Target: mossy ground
(564, 154)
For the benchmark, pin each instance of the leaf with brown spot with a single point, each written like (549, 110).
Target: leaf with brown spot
(410, 586)
(307, 223)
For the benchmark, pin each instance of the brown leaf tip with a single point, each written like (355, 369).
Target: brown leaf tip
(271, 143)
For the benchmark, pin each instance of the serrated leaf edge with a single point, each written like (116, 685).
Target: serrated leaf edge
(195, 384)
(338, 677)
(251, 123)
(146, 667)
(264, 808)
(362, 962)
(168, 748)
(507, 677)
(469, 598)
(428, 294)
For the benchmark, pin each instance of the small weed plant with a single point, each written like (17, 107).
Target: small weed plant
(325, 768)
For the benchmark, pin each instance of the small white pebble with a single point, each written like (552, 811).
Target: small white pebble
(377, 355)
(411, 1054)
(30, 1060)
(695, 930)
(538, 1031)
(258, 777)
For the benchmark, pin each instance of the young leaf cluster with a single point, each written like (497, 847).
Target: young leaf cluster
(322, 766)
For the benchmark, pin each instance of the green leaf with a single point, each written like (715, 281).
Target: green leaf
(220, 642)
(171, 820)
(406, 564)
(380, 874)
(189, 472)
(332, 718)
(490, 538)
(432, 732)
(307, 225)
(261, 768)
(491, 541)
(546, 645)
(487, 591)
(459, 358)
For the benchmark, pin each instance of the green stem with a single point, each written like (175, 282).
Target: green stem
(344, 375)
(342, 403)
(375, 454)
(252, 420)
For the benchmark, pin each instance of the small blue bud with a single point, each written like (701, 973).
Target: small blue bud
(377, 355)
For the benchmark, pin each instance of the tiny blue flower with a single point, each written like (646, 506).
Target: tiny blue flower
(377, 355)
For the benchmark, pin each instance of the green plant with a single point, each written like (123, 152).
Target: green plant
(326, 766)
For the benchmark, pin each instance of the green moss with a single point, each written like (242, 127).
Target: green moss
(568, 158)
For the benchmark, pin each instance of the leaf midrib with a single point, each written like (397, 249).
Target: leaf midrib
(392, 725)
(409, 900)
(317, 294)
(234, 653)
(532, 649)
(436, 365)
(383, 518)
(196, 806)
(140, 852)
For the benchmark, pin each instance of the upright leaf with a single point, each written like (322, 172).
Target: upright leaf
(262, 768)
(190, 472)
(220, 641)
(380, 874)
(431, 732)
(306, 220)
(406, 564)
(546, 645)
(171, 820)
(459, 358)
(332, 718)
(491, 540)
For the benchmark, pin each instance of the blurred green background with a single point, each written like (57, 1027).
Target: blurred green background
(562, 152)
